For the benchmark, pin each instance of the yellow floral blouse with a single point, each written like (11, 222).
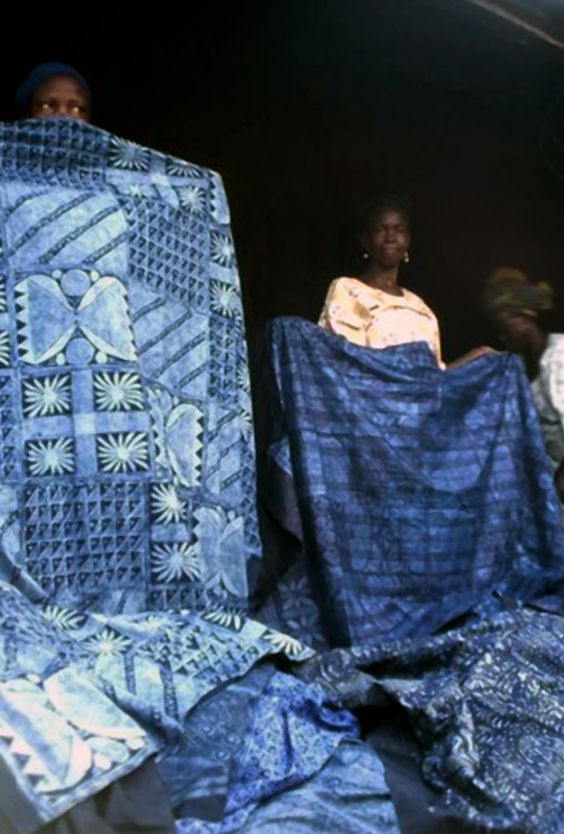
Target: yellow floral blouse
(373, 318)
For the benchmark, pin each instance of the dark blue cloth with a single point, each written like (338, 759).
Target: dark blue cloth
(486, 703)
(423, 494)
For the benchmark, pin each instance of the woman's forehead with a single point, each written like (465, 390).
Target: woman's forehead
(60, 83)
(389, 215)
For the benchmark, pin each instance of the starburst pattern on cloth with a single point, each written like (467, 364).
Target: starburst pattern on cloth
(246, 424)
(224, 299)
(166, 504)
(286, 643)
(123, 452)
(4, 349)
(222, 250)
(225, 617)
(192, 198)
(242, 377)
(61, 618)
(46, 395)
(50, 457)
(108, 642)
(117, 391)
(174, 561)
(127, 155)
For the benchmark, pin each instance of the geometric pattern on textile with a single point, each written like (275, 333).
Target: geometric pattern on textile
(423, 494)
(348, 796)
(486, 702)
(169, 252)
(88, 318)
(126, 426)
(173, 343)
(127, 455)
(8, 431)
(64, 226)
(224, 360)
(84, 698)
(39, 152)
(79, 536)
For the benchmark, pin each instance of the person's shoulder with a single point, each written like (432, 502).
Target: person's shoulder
(345, 281)
(415, 300)
(345, 306)
(554, 351)
(411, 295)
(345, 286)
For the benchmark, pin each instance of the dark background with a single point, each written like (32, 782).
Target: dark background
(306, 107)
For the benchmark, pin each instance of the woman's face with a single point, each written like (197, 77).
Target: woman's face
(60, 95)
(386, 239)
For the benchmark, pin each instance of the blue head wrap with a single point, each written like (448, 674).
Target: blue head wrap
(41, 73)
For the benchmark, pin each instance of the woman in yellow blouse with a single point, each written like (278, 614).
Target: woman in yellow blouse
(373, 310)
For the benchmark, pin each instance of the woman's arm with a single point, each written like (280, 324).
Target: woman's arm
(475, 353)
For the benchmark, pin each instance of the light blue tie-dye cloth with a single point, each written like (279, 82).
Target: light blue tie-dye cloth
(128, 536)
(126, 455)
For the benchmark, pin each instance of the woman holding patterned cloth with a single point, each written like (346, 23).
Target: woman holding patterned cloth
(516, 306)
(373, 310)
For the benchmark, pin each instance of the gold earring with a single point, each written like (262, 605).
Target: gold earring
(406, 258)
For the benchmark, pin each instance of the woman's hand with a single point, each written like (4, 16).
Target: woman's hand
(475, 353)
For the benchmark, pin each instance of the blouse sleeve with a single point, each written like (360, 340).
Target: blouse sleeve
(344, 314)
(436, 347)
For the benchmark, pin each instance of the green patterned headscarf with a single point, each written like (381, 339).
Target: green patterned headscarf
(508, 291)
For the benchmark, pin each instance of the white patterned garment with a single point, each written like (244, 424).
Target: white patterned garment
(548, 394)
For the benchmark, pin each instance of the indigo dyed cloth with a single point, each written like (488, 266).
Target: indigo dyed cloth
(86, 698)
(418, 495)
(128, 534)
(486, 703)
(125, 456)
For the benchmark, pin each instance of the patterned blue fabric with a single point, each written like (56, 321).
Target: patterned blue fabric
(128, 536)
(348, 796)
(423, 494)
(126, 455)
(487, 705)
(85, 698)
